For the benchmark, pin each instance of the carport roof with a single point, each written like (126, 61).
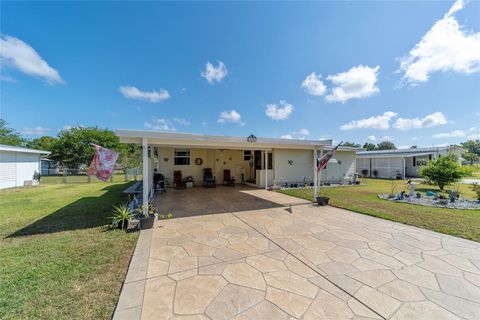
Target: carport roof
(211, 141)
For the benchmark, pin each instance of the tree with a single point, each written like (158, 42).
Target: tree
(130, 155)
(444, 171)
(10, 136)
(43, 143)
(472, 146)
(471, 157)
(351, 144)
(368, 146)
(414, 146)
(74, 146)
(386, 145)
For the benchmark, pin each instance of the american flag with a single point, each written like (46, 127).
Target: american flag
(103, 163)
(322, 162)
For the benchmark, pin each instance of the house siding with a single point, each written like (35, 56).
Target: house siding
(17, 167)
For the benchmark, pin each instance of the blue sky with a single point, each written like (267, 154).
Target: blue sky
(408, 71)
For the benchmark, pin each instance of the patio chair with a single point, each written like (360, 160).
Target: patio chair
(178, 180)
(228, 179)
(208, 178)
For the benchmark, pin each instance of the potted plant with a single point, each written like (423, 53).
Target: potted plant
(121, 214)
(399, 175)
(322, 200)
(188, 181)
(364, 173)
(146, 222)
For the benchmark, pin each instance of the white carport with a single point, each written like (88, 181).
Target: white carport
(155, 139)
(389, 164)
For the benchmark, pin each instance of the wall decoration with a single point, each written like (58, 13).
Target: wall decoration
(198, 161)
(290, 162)
(165, 159)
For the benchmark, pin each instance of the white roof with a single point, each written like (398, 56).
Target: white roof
(4, 147)
(404, 152)
(211, 141)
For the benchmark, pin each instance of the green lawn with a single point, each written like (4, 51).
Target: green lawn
(58, 260)
(475, 171)
(363, 199)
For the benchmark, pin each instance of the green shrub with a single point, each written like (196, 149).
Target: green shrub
(444, 171)
(476, 188)
(121, 214)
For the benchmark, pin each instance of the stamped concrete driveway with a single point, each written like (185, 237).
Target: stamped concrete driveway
(313, 263)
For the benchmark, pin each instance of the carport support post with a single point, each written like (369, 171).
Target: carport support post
(145, 175)
(403, 168)
(266, 169)
(315, 173)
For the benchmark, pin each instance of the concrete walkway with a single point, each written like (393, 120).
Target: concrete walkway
(314, 263)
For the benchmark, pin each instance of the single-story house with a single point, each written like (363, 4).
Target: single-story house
(260, 162)
(19, 165)
(399, 163)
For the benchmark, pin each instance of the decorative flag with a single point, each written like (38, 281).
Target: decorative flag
(102, 163)
(322, 163)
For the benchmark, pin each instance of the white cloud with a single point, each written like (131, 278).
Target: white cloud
(160, 124)
(182, 121)
(381, 122)
(471, 133)
(387, 138)
(358, 82)
(431, 120)
(453, 134)
(313, 85)
(7, 78)
(279, 112)
(69, 126)
(15, 53)
(132, 92)
(300, 134)
(371, 138)
(230, 116)
(445, 47)
(36, 131)
(213, 73)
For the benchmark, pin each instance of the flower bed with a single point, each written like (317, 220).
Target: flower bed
(430, 201)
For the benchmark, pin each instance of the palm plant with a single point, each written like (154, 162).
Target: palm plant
(122, 213)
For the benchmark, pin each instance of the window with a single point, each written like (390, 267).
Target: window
(181, 157)
(247, 155)
(270, 160)
(421, 160)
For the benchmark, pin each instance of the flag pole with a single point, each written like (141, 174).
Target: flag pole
(322, 162)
